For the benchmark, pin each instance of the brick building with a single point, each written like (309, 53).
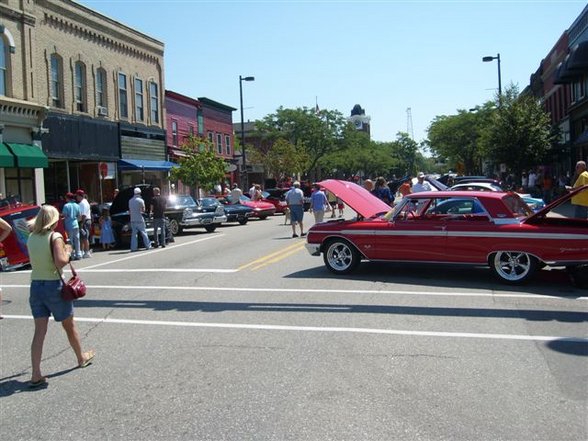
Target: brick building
(103, 85)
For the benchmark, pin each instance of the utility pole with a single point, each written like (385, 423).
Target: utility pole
(409, 128)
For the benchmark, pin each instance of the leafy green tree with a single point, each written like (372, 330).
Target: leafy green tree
(458, 137)
(317, 134)
(519, 134)
(281, 159)
(200, 167)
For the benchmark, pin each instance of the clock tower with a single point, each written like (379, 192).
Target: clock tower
(359, 119)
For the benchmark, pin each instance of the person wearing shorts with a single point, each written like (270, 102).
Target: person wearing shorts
(85, 224)
(295, 200)
(48, 254)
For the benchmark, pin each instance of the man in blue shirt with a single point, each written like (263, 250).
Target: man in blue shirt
(318, 204)
(71, 215)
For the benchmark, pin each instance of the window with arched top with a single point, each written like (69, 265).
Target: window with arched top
(3, 67)
(101, 90)
(154, 102)
(123, 104)
(80, 87)
(56, 83)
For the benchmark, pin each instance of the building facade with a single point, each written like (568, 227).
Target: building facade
(22, 110)
(103, 85)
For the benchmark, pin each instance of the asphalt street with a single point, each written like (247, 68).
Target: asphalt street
(242, 335)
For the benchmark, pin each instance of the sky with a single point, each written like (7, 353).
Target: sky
(388, 55)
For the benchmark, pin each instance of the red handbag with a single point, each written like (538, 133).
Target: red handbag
(75, 287)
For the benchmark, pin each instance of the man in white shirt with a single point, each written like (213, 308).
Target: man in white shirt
(85, 223)
(295, 200)
(235, 195)
(421, 185)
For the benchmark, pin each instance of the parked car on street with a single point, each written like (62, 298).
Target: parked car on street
(121, 219)
(185, 212)
(534, 204)
(277, 196)
(495, 229)
(260, 209)
(234, 212)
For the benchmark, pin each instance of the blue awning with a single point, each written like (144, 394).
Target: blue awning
(144, 164)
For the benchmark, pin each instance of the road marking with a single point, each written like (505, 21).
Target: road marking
(275, 254)
(326, 329)
(157, 250)
(282, 256)
(159, 270)
(323, 291)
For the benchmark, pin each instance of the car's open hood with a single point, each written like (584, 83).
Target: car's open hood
(358, 198)
(563, 199)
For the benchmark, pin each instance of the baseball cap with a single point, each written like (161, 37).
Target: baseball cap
(69, 195)
(80, 192)
(137, 190)
(421, 175)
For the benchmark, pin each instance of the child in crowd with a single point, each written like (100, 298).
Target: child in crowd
(106, 233)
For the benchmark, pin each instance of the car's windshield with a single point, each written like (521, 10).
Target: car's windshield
(517, 205)
(209, 202)
(181, 201)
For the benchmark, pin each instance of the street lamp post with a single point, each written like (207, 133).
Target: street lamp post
(244, 177)
(497, 58)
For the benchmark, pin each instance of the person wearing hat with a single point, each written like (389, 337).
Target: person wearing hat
(295, 200)
(136, 210)
(48, 254)
(421, 185)
(71, 215)
(85, 223)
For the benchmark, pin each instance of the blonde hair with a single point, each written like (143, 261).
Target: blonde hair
(46, 219)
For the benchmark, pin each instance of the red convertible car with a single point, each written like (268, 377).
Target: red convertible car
(495, 229)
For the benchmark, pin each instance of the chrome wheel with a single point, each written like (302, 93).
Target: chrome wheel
(513, 266)
(340, 257)
(174, 227)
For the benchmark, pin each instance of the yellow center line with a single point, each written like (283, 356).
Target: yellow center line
(296, 246)
(278, 258)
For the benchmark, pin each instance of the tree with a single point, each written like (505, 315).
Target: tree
(200, 167)
(519, 133)
(458, 137)
(281, 159)
(317, 134)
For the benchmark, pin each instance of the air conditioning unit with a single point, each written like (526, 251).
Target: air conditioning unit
(102, 111)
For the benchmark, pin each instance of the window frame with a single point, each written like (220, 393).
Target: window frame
(154, 102)
(174, 130)
(123, 95)
(80, 96)
(4, 67)
(219, 143)
(56, 81)
(139, 101)
(227, 144)
(101, 88)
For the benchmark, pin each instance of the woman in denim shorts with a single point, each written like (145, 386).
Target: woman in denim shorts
(48, 254)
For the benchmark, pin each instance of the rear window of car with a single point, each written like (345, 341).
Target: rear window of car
(516, 205)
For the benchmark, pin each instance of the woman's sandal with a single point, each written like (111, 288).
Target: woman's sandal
(88, 357)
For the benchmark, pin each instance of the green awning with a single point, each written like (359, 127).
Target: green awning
(28, 156)
(6, 158)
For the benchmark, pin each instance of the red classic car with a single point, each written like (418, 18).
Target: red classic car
(496, 229)
(260, 209)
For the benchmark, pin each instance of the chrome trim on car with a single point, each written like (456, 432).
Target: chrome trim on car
(313, 248)
(548, 236)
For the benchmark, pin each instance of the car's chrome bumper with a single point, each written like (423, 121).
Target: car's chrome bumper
(203, 221)
(313, 248)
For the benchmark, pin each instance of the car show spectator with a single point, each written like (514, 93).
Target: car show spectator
(421, 185)
(136, 210)
(295, 201)
(71, 215)
(5, 230)
(106, 232)
(85, 223)
(235, 194)
(158, 204)
(580, 201)
(49, 254)
(382, 191)
(318, 204)
(406, 187)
